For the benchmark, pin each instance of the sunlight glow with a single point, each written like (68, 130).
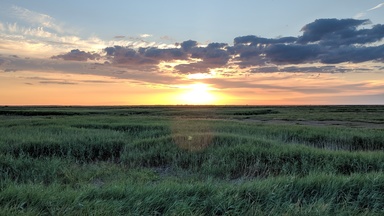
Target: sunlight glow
(199, 76)
(197, 94)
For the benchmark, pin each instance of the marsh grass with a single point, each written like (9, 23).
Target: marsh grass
(189, 161)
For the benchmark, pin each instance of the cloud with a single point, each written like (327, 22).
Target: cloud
(254, 40)
(191, 68)
(31, 32)
(303, 88)
(77, 55)
(45, 80)
(354, 54)
(362, 14)
(145, 35)
(217, 45)
(212, 56)
(39, 41)
(306, 69)
(84, 71)
(329, 41)
(42, 20)
(99, 81)
(323, 41)
(351, 36)
(119, 36)
(268, 69)
(119, 55)
(189, 44)
(167, 38)
(284, 84)
(163, 54)
(9, 70)
(315, 69)
(325, 30)
(376, 7)
(58, 82)
(293, 53)
(359, 15)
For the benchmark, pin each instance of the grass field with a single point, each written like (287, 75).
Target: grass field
(192, 160)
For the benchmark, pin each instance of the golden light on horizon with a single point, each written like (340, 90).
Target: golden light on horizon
(197, 94)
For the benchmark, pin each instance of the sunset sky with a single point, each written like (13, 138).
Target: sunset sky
(191, 52)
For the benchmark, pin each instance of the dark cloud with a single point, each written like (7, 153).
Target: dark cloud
(301, 69)
(314, 69)
(353, 54)
(119, 36)
(327, 41)
(98, 81)
(77, 55)
(127, 56)
(363, 36)
(191, 68)
(2, 62)
(187, 45)
(293, 53)
(271, 69)
(44, 80)
(246, 52)
(254, 40)
(9, 70)
(322, 28)
(164, 54)
(213, 56)
(247, 56)
(335, 32)
(216, 45)
(58, 82)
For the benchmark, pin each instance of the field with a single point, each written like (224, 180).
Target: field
(192, 160)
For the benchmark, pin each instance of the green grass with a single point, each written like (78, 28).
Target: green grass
(192, 160)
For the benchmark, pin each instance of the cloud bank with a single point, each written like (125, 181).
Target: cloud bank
(77, 55)
(324, 41)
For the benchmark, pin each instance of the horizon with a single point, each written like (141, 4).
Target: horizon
(184, 105)
(217, 53)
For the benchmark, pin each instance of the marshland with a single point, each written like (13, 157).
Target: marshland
(192, 160)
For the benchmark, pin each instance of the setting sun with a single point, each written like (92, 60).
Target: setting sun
(198, 93)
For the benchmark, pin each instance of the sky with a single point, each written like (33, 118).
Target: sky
(202, 52)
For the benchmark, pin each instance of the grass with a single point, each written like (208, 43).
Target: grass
(199, 160)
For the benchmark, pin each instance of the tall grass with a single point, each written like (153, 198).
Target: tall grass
(188, 161)
(310, 195)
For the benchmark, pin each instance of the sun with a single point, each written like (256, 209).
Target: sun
(198, 94)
